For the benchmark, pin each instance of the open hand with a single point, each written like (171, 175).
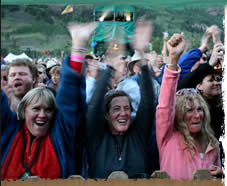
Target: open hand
(80, 32)
(143, 32)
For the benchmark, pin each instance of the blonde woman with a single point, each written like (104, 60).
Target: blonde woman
(42, 142)
(184, 137)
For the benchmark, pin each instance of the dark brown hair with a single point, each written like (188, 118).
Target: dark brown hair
(112, 94)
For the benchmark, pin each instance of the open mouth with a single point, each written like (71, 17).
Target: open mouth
(122, 121)
(40, 123)
(17, 85)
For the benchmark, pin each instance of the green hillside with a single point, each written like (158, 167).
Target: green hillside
(42, 27)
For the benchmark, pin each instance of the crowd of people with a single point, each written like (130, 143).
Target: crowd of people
(89, 116)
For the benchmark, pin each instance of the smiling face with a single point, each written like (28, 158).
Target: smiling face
(193, 116)
(38, 117)
(119, 115)
(210, 87)
(20, 78)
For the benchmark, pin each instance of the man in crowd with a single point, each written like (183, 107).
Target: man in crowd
(22, 77)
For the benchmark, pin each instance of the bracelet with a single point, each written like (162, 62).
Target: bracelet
(82, 50)
(171, 65)
(75, 58)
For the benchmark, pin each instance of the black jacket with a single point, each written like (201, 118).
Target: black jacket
(105, 149)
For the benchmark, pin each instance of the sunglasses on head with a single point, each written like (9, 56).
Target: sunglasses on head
(184, 91)
(217, 78)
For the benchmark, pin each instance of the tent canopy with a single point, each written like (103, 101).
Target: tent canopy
(108, 31)
(122, 8)
(11, 57)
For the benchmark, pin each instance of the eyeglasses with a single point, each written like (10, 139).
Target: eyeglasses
(184, 91)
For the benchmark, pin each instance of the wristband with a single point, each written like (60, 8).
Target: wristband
(76, 65)
(81, 50)
(75, 58)
(171, 65)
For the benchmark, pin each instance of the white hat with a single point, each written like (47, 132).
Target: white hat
(135, 58)
(51, 63)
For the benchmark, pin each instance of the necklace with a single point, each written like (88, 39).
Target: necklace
(119, 146)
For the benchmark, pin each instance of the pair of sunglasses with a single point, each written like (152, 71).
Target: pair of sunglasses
(184, 91)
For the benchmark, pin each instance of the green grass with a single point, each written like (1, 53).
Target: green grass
(32, 31)
(32, 36)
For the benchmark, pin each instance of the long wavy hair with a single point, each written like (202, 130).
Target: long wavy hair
(184, 102)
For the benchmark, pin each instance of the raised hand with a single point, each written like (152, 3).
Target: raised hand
(80, 32)
(176, 46)
(142, 35)
(205, 40)
(217, 56)
(216, 34)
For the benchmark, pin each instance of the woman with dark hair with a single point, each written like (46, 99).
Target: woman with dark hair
(183, 124)
(114, 142)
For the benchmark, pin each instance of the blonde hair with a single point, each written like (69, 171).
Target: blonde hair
(44, 94)
(182, 104)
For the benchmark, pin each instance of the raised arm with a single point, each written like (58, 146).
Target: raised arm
(195, 77)
(9, 126)
(165, 113)
(8, 118)
(71, 92)
(145, 114)
(71, 99)
(95, 124)
(164, 48)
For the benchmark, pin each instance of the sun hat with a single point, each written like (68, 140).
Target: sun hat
(51, 63)
(135, 58)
